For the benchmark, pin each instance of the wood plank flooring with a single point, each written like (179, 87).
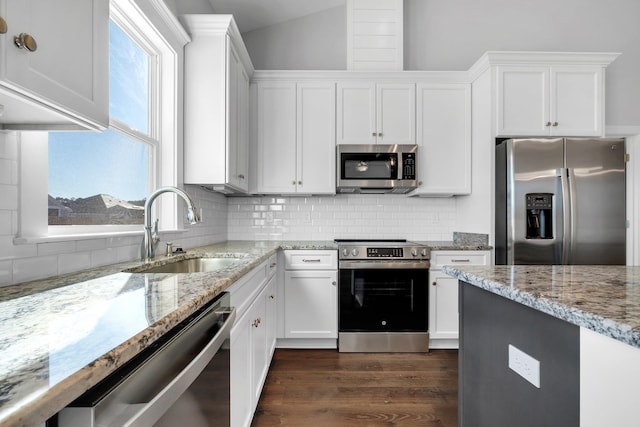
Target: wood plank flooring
(325, 388)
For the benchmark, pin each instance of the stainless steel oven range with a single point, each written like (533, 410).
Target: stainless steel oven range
(382, 296)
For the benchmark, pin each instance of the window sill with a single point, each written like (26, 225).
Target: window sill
(25, 240)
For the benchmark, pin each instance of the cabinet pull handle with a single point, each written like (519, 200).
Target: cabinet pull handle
(273, 264)
(310, 260)
(555, 123)
(460, 260)
(548, 124)
(3, 26)
(26, 41)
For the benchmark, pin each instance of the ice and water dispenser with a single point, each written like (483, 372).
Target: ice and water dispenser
(539, 215)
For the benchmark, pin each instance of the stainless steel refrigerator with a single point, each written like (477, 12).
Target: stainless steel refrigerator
(560, 201)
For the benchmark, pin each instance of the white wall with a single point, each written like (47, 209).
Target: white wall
(313, 42)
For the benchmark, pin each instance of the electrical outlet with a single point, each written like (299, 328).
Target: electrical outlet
(524, 365)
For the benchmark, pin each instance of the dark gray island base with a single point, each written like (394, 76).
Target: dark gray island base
(491, 394)
(577, 326)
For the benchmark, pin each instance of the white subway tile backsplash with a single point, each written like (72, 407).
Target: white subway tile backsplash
(68, 263)
(56, 248)
(6, 273)
(26, 269)
(348, 216)
(8, 197)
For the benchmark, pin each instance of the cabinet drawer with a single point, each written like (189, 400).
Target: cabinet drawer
(440, 258)
(311, 260)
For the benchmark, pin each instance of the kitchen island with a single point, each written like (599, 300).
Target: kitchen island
(548, 345)
(61, 336)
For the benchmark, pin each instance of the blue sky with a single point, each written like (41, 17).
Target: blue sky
(83, 164)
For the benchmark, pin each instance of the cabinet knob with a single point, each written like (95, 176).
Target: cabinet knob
(334, 283)
(299, 182)
(434, 284)
(241, 176)
(26, 41)
(374, 134)
(3, 25)
(548, 124)
(271, 297)
(555, 123)
(379, 133)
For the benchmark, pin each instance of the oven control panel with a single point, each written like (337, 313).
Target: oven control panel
(385, 252)
(363, 252)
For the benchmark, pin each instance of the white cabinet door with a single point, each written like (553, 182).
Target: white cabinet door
(295, 138)
(276, 137)
(443, 295)
(370, 113)
(356, 112)
(258, 325)
(523, 101)
(444, 138)
(216, 106)
(396, 113)
(576, 101)
(550, 100)
(271, 316)
(316, 130)
(311, 301)
(67, 73)
(241, 376)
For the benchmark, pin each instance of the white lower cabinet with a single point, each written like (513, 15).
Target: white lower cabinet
(252, 340)
(443, 295)
(309, 299)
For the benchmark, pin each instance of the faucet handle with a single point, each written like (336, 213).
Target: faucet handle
(155, 226)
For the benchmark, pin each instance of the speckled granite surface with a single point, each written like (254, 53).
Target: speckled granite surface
(449, 245)
(59, 337)
(604, 299)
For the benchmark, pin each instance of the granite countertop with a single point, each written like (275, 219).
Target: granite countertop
(61, 336)
(449, 245)
(604, 299)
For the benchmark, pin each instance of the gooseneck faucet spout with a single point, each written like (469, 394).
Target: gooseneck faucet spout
(151, 239)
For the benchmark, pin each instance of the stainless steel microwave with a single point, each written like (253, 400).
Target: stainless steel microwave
(388, 168)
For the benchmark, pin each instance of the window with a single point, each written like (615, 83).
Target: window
(103, 178)
(114, 170)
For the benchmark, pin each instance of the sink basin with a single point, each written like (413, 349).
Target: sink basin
(194, 265)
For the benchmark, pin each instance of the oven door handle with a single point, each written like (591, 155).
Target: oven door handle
(377, 265)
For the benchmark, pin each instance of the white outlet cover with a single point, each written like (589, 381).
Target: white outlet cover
(524, 365)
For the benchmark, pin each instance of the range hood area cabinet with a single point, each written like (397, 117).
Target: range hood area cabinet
(294, 137)
(548, 93)
(216, 104)
(55, 64)
(376, 113)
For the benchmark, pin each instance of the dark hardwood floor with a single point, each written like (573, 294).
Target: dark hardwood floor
(326, 388)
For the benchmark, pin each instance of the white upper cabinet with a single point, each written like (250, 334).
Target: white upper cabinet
(54, 58)
(376, 113)
(444, 139)
(553, 94)
(216, 104)
(295, 138)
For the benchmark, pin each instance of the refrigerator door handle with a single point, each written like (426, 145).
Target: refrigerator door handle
(571, 180)
(566, 215)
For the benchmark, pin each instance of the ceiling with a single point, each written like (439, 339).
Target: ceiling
(254, 14)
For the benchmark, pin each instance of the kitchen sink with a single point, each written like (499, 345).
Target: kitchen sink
(193, 265)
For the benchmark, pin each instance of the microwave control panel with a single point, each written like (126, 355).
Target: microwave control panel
(409, 166)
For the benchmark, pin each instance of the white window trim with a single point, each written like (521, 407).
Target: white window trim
(168, 37)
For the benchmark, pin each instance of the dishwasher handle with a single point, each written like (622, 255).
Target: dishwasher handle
(146, 414)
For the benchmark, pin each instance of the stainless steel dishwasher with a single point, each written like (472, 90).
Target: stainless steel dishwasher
(181, 379)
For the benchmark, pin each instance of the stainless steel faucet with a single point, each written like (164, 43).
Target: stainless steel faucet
(151, 239)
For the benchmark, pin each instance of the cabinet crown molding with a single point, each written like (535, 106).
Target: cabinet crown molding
(217, 25)
(373, 76)
(492, 58)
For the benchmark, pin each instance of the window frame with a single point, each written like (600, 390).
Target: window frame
(154, 28)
